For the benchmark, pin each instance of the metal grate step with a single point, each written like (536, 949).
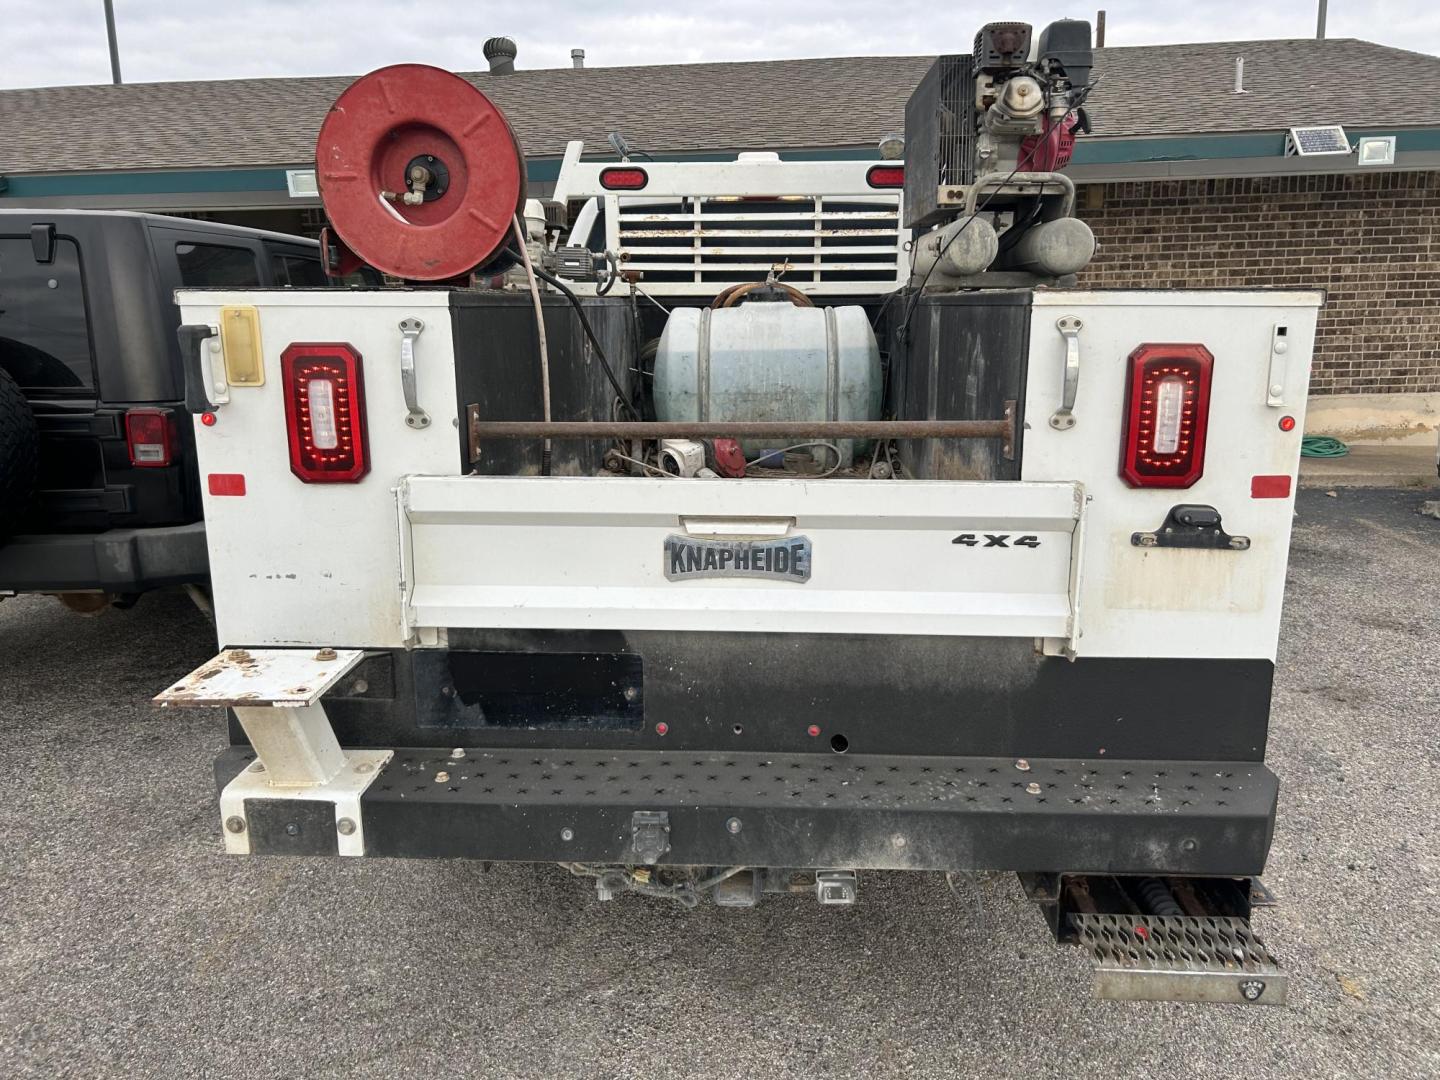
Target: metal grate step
(1180, 958)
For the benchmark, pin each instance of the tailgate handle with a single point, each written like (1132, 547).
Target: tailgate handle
(192, 338)
(1063, 419)
(410, 329)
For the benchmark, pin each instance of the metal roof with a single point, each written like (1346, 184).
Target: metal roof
(676, 108)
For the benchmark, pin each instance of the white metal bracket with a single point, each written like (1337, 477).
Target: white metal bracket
(276, 697)
(1279, 363)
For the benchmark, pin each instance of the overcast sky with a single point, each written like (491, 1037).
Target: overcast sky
(51, 42)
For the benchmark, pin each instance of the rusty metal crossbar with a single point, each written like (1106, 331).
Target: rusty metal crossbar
(1003, 429)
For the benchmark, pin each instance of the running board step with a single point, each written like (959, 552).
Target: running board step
(1180, 958)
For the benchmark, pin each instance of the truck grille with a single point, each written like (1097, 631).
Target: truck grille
(812, 240)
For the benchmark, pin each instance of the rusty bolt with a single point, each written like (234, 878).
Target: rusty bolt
(442, 777)
(458, 752)
(1032, 788)
(567, 834)
(239, 656)
(733, 826)
(898, 840)
(326, 654)
(235, 824)
(1022, 765)
(345, 827)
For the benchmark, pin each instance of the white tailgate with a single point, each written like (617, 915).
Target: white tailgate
(912, 557)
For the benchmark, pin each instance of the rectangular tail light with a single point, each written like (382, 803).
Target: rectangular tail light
(325, 413)
(149, 436)
(1166, 417)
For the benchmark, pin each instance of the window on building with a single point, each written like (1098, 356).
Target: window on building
(44, 333)
(211, 266)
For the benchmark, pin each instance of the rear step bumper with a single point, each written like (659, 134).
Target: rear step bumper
(116, 560)
(796, 810)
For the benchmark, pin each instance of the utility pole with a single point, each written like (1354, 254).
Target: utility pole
(114, 48)
(1320, 22)
(1100, 29)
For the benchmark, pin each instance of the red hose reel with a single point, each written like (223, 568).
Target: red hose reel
(420, 173)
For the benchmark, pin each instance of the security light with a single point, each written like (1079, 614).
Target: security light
(1376, 150)
(301, 183)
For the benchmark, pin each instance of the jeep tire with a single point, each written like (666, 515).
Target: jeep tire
(19, 452)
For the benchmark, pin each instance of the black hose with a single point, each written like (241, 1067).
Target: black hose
(590, 333)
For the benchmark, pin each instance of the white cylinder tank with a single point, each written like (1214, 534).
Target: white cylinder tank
(769, 361)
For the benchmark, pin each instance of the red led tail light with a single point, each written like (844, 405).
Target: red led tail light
(325, 413)
(886, 176)
(1166, 416)
(626, 179)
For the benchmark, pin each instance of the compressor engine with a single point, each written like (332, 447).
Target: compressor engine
(986, 135)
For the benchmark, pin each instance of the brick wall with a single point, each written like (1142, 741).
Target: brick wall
(1371, 240)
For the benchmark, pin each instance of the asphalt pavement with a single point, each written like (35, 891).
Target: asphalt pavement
(130, 946)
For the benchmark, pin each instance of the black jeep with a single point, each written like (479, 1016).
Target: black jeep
(99, 495)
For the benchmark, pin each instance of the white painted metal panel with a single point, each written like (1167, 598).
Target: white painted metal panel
(588, 552)
(319, 564)
(1138, 601)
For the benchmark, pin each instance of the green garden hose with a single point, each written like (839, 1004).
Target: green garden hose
(1322, 446)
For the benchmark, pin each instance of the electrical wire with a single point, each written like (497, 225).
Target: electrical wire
(590, 333)
(646, 465)
(540, 332)
(801, 446)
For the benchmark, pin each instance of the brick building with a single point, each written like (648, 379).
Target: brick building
(1185, 179)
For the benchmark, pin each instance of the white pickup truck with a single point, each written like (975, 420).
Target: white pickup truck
(742, 589)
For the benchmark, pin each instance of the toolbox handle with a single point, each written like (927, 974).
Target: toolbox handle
(192, 338)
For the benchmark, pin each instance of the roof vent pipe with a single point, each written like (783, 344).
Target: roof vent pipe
(500, 54)
(1240, 75)
(577, 59)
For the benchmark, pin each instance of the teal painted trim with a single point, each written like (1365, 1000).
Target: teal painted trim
(547, 169)
(1220, 147)
(151, 183)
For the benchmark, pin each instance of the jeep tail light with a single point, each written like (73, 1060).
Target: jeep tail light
(149, 437)
(626, 179)
(325, 413)
(886, 176)
(1167, 413)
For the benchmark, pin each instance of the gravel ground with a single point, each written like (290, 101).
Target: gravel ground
(130, 946)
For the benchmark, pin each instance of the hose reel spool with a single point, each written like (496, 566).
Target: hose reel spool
(420, 173)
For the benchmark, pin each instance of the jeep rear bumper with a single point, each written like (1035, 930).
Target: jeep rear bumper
(795, 810)
(117, 560)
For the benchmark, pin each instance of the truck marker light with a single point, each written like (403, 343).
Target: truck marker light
(226, 483)
(1167, 415)
(1287, 423)
(627, 179)
(325, 413)
(1270, 487)
(886, 176)
(148, 438)
(662, 728)
(208, 419)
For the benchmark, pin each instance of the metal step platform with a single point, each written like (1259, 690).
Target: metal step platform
(1180, 958)
(811, 809)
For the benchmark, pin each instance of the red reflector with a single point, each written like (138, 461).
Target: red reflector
(1167, 414)
(626, 179)
(148, 437)
(886, 176)
(1270, 487)
(1287, 423)
(208, 419)
(325, 413)
(226, 483)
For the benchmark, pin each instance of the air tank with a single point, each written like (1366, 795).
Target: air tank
(769, 361)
